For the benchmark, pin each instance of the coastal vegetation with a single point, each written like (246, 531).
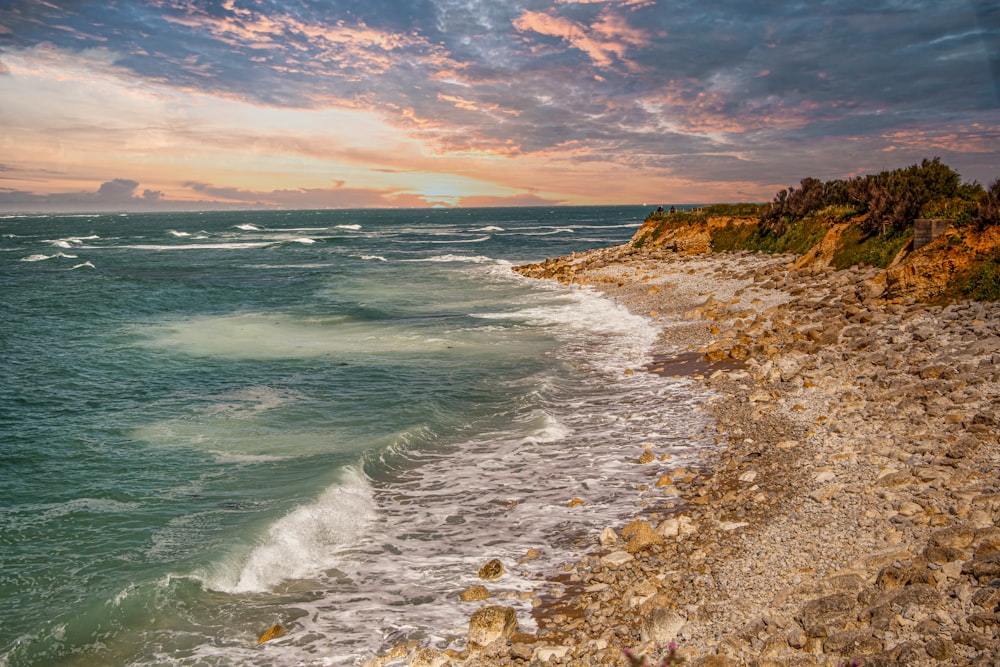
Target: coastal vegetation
(865, 220)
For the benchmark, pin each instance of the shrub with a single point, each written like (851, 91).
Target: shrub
(982, 281)
(989, 206)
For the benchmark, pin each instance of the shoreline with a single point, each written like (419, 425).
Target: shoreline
(850, 511)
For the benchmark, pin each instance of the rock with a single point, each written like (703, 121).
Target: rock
(853, 642)
(647, 456)
(732, 525)
(676, 526)
(819, 616)
(428, 657)
(608, 537)
(640, 536)
(575, 502)
(984, 568)
(661, 625)
(490, 624)
(273, 632)
(546, 653)
(491, 570)
(396, 653)
(474, 594)
(616, 558)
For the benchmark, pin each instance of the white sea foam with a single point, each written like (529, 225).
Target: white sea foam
(87, 265)
(42, 258)
(490, 228)
(71, 241)
(178, 234)
(281, 336)
(583, 314)
(479, 239)
(200, 246)
(354, 228)
(474, 259)
(550, 232)
(247, 227)
(304, 241)
(378, 258)
(306, 540)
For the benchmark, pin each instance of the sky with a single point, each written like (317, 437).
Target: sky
(302, 104)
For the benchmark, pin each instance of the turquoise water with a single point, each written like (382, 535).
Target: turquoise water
(210, 423)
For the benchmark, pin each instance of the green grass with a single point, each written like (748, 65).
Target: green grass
(860, 247)
(982, 282)
(735, 210)
(797, 238)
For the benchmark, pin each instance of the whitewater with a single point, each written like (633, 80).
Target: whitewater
(215, 422)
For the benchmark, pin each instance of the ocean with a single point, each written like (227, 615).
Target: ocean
(214, 422)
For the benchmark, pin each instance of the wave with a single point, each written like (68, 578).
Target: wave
(70, 241)
(304, 542)
(304, 241)
(560, 230)
(201, 246)
(475, 240)
(490, 228)
(355, 228)
(178, 234)
(378, 258)
(42, 258)
(84, 264)
(247, 227)
(584, 314)
(474, 259)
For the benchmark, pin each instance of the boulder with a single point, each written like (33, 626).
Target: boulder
(428, 657)
(491, 570)
(640, 536)
(661, 625)
(474, 594)
(273, 632)
(490, 624)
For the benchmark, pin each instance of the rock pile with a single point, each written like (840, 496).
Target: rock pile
(853, 509)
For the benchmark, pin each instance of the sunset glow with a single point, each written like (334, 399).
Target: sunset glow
(192, 104)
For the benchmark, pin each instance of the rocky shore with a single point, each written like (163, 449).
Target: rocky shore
(850, 513)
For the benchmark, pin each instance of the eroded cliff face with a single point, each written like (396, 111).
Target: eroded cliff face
(928, 274)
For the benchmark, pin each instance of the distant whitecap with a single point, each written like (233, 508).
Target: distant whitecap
(85, 264)
(178, 234)
(248, 227)
(351, 227)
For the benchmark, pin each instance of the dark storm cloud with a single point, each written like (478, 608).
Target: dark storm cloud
(724, 85)
(118, 194)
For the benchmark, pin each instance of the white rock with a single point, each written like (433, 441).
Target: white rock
(732, 525)
(661, 625)
(546, 653)
(616, 558)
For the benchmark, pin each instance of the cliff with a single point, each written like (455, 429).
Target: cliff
(962, 262)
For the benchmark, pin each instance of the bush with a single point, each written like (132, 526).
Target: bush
(982, 282)
(892, 199)
(989, 206)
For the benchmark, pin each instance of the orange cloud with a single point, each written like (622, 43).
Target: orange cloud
(604, 42)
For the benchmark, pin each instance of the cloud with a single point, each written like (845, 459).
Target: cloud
(605, 42)
(747, 92)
